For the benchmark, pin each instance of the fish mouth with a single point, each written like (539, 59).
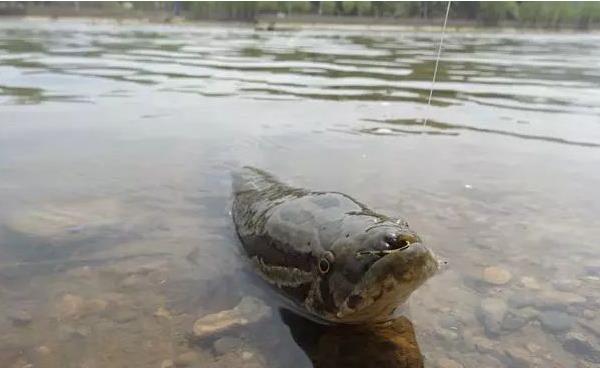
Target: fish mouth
(388, 283)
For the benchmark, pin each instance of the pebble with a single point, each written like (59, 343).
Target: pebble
(496, 275)
(43, 350)
(20, 318)
(71, 307)
(249, 310)
(447, 335)
(186, 359)
(530, 283)
(554, 321)
(518, 357)
(448, 363)
(227, 344)
(246, 355)
(484, 345)
(580, 345)
(162, 313)
(491, 313)
(168, 363)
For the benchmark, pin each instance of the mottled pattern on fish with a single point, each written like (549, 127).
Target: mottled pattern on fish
(317, 248)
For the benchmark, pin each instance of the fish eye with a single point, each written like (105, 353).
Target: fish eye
(325, 262)
(396, 242)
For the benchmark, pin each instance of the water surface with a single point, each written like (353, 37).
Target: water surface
(116, 144)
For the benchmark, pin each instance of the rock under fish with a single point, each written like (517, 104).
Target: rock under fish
(336, 260)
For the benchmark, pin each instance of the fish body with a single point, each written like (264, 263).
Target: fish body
(336, 260)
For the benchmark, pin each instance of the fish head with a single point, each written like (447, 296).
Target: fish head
(370, 272)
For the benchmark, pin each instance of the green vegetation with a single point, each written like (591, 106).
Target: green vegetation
(543, 14)
(537, 14)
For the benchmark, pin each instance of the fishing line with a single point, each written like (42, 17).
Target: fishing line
(437, 60)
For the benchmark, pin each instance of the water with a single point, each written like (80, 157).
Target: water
(116, 143)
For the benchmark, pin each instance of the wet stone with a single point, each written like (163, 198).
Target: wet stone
(249, 310)
(496, 275)
(518, 357)
(20, 318)
(491, 314)
(554, 321)
(582, 346)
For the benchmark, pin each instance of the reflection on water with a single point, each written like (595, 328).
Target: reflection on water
(116, 145)
(392, 345)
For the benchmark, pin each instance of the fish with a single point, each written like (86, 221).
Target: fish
(331, 257)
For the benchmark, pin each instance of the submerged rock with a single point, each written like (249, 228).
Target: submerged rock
(491, 314)
(74, 307)
(249, 310)
(513, 321)
(582, 346)
(518, 357)
(186, 359)
(548, 300)
(554, 321)
(496, 275)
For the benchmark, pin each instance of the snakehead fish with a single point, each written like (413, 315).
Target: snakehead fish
(335, 259)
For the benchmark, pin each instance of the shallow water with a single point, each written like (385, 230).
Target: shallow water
(116, 143)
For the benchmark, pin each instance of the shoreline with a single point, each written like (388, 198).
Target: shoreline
(273, 23)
